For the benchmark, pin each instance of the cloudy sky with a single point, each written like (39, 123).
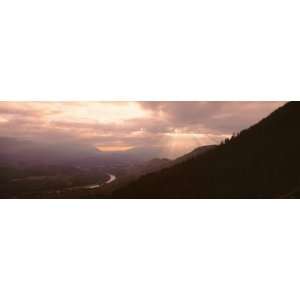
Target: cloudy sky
(174, 127)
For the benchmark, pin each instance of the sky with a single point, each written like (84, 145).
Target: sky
(172, 127)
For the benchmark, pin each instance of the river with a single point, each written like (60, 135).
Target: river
(95, 186)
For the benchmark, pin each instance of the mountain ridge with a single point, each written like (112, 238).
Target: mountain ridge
(259, 162)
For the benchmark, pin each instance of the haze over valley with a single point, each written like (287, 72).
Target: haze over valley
(107, 149)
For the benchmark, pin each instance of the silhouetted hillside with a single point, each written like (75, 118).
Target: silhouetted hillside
(196, 152)
(152, 166)
(158, 164)
(260, 162)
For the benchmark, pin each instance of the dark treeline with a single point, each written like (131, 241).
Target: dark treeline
(260, 162)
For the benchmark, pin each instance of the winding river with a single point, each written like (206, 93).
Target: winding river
(95, 186)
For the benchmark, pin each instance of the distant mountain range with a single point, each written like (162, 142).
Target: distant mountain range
(262, 161)
(19, 152)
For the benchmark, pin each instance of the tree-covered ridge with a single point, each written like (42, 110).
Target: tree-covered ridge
(262, 161)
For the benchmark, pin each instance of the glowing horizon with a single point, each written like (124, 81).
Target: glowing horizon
(114, 148)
